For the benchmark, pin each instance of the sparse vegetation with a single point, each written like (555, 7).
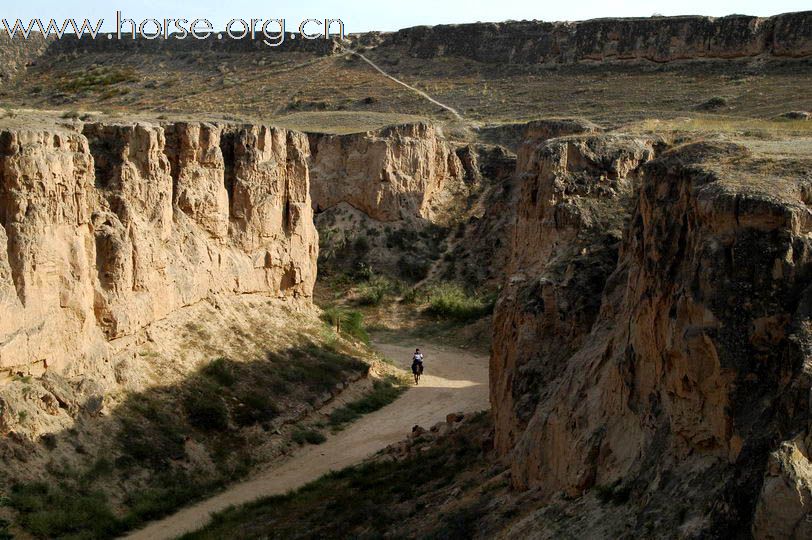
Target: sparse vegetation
(373, 500)
(614, 493)
(95, 78)
(383, 393)
(206, 409)
(309, 436)
(373, 292)
(220, 371)
(153, 430)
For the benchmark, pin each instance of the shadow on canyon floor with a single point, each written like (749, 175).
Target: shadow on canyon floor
(170, 445)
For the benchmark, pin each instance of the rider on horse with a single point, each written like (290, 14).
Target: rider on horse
(417, 365)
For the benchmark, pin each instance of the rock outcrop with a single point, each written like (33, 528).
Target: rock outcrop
(106, 231)
(653, 336)
(657, 39)
(400, 172)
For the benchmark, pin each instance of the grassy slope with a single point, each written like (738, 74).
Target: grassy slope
(276, 86)
(164, 446)
(436, 492)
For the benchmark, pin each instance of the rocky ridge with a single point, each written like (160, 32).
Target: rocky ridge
(656, 39)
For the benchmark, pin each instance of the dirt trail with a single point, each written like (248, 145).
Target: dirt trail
(421, 93)
(455, 380)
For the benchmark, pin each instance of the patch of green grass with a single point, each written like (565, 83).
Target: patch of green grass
(375, 290)
(383, 393)
(73, 508)
(451, 301)
(174, 491)
(309, 436)
(346, 322)
(150, 435)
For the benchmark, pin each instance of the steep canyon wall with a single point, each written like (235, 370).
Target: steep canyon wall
(108, 230)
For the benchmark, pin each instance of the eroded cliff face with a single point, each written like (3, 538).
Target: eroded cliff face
(658, 39)
(402, 172)
(653, 336)
(109, 230)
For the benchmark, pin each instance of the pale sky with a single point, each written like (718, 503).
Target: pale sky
(359, 16)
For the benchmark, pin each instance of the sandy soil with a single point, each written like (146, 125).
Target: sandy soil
(455, 380)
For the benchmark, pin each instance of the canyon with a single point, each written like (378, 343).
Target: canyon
(649, 369)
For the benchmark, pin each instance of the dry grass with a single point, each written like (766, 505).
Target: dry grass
(285, 85)
(739, 127)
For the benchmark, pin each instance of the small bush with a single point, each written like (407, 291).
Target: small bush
(361, 245)
(348, 322)
(413, 268)
(309, 436)
(613, 493)
(373, 292)
(451, 301)
(714, 103)
(51, 512)
(255, 407)
(152, 437)
(221, 371)
(206, 409)
(70, 115)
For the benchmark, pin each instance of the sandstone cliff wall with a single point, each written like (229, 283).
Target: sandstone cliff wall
(653, 333)
(401, 172)
(106, 231)
(658, 39)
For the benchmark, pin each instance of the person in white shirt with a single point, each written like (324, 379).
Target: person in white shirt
(417, 365)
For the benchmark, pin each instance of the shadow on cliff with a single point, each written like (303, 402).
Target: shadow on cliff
(169, 445)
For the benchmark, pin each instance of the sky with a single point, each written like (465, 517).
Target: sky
(365, 15)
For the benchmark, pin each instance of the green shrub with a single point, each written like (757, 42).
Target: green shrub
(413, 267)
(150, 436)
(614, 493)
(221, 371)
(451, 301)
(361, 245)
(373, 292)
(309, 436)
(348, 322)
(206, 409)
(48, 511)
(254, 408)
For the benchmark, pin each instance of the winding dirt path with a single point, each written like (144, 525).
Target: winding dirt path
(455, 380)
